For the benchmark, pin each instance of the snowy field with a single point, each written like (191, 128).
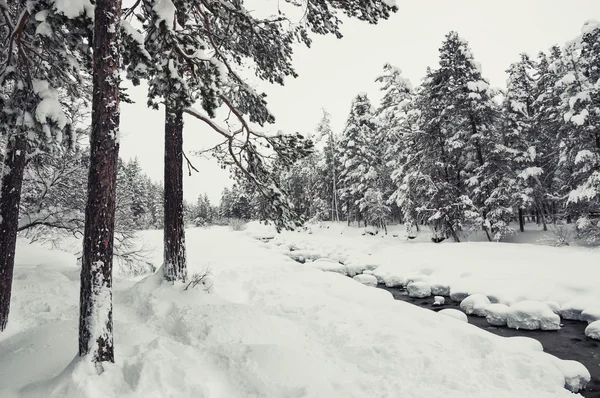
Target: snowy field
(273, 327)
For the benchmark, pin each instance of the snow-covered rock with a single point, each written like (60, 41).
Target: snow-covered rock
(359, 265)
(593, 330)
(572, 310)
(591, 314)
(496, 314)
(328, 265)
(439, 289)
(456, 314)
(366, 279)
(419, 289)
(439, 300)
(553, 306)
(576, 375)
(387, 275)
(532, 315)
(475, 304)
(458, 294)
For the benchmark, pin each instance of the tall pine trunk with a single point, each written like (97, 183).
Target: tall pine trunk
(95, 319)
(12, 181)
(175, 267)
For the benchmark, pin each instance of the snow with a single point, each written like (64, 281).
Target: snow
(496, 314)
(590, 314)
(365, 279)
(580, 118)
(418, 289)
(593, 330)
(438, 300)
(526, 343)
(44, 29)
(532, 315)
(74, 8)
(507, 272)
(165, 11)
(388, 276)
(440, 289)
(275, 328)
(49, 107)
(328, 265)
(573, 310)
(475, 304)
(576, 375)
(456, 314)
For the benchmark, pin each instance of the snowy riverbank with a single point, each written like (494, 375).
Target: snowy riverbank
(272, 327)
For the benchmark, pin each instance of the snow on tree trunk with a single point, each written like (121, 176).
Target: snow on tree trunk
(175, 267)
(95, 321)
(12, 180)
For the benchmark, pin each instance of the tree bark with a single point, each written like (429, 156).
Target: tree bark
(12, 181)
(521, 220)
(175, 267)
(95, 319)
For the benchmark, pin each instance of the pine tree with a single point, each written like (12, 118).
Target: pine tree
(329, 167)
(358, 156)
(581, 111)
(43, 80)
(397, 121)
(95, 321)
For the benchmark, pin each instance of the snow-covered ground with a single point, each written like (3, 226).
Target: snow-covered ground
(561, 279)
(273, 327)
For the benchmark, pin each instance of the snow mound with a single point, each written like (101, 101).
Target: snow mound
(456, 314)
(532, 315)
(572, 310)
(475, 304)
(526, 343)
(591, 314)
(496, 314)
(418, 289)
(328, 265)
(357, 266)
(458, 295)
(576, 375)
(439, 300)
(439, 289)
(593, 330)
(366, 279)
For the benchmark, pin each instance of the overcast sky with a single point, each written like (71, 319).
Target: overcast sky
(333, 71)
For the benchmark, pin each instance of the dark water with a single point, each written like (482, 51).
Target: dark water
(570, 342)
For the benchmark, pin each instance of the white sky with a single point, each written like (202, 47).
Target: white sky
(333, 71)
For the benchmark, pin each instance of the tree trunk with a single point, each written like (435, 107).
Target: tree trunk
(175, 267)
(521, 220)
(95, 318)
(12, 181)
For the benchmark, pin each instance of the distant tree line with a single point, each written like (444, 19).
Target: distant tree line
(458, 155)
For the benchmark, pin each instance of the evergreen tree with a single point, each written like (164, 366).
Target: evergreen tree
(358, 156)
(580, 107)
(43, 81)
(95, 320)
(329, 167)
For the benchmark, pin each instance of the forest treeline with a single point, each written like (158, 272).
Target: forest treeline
(457, 154)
